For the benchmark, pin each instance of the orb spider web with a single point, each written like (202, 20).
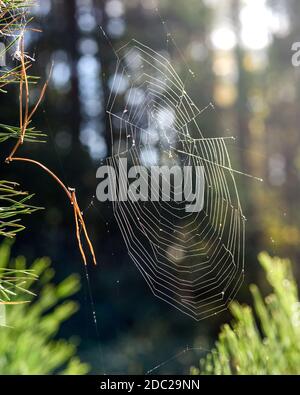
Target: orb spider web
(192, 260)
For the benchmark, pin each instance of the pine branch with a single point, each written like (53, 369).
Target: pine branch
(13, 203)
(14, 23)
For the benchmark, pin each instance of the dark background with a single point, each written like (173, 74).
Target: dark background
(240, 52)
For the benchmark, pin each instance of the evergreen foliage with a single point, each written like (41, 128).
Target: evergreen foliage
(28, 343)
(264, 339)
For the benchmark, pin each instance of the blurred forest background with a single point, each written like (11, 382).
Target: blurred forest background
(240, 54)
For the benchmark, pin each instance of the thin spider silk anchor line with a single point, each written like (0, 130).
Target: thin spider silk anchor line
(108, 41)
(170, 35)
(95, 320)
(169, 360)
(224, 167)
(177, 355)
(193, 261)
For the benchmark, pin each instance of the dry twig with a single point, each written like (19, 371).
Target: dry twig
(25, 117)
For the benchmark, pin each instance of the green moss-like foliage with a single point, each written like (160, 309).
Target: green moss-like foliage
(27, 342)
(265, 339)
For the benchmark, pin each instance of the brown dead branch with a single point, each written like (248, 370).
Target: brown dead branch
(25, 117)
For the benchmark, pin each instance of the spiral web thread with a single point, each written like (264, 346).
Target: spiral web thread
(193, 261)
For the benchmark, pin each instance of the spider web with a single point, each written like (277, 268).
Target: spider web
(192, 260)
